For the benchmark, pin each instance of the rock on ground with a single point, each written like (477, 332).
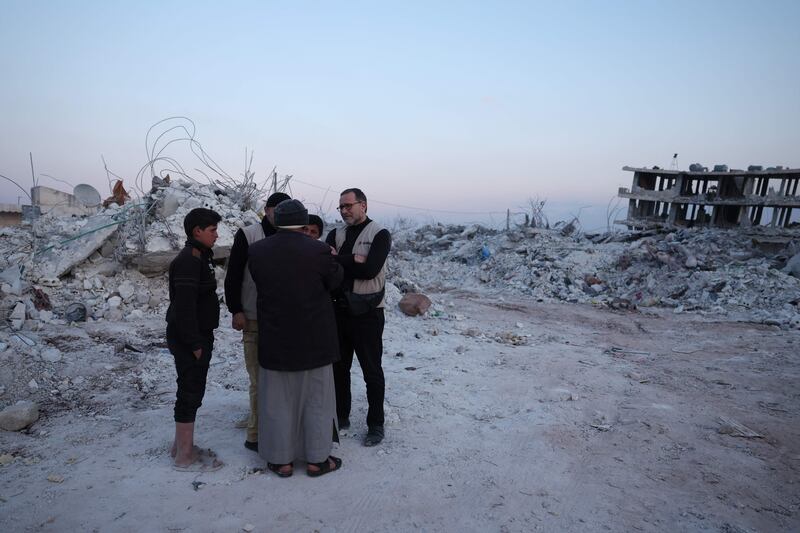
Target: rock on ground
(19, 416)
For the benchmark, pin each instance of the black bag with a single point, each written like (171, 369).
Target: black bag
(361, 304)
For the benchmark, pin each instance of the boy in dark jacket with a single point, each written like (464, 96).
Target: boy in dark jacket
(192, 317)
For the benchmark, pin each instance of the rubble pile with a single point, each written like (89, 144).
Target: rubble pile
(99, 267)
(715, 271)
(77, 316)
(170, 204)
(102, 272)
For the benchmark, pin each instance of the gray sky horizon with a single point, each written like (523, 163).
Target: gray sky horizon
(444, 106)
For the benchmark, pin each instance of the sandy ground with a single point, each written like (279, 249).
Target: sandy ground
(502, 415)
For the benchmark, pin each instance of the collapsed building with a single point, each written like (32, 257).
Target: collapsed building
(719, 198)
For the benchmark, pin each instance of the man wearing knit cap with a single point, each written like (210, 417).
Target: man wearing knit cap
(294, 276)
(240, 296)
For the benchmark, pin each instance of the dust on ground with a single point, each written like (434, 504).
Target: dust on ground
(503, 414)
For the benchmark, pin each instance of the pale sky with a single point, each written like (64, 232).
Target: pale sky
(461, 106)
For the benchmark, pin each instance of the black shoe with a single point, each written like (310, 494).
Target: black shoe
(374, 436)
(253, 446)
(344, 423)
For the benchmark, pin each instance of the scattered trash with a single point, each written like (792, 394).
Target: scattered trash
(75, 312)
(53, 478)
(733, 428)
(636, 377)
(41, 301)
(508, 337)
(617, 351)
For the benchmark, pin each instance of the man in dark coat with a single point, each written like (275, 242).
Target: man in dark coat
(297, 345)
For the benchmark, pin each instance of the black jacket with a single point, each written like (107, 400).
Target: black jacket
(294, 275)
(237, 260)
(193, 309)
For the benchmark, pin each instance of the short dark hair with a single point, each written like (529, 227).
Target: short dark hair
(314, 220)
(276, 198)
(360, 196)
(200, 218)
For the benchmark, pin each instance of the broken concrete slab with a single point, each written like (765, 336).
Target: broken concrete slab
(17, 316)
(156, 263)
(11, 279)
(61, 259)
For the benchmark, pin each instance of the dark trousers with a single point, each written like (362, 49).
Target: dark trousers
(364, 335)
(192, 374)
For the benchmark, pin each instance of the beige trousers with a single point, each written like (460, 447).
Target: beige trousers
(250, 340)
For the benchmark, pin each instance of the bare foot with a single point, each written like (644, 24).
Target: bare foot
(204, 452)
(199, 465)
(193, 457)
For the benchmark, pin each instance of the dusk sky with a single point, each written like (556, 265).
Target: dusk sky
(454, 106)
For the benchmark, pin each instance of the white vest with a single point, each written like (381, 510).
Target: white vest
(253, 233)
(361, 247)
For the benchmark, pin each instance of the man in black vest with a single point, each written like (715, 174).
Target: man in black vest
(240, 295)
(362, 248)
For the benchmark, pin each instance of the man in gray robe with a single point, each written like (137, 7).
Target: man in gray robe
(297, 345)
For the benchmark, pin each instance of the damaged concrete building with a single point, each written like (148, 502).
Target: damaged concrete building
(53, 201)
(720, 198)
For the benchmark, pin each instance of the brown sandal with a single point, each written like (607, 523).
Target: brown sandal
(278, 469)
(325, 466)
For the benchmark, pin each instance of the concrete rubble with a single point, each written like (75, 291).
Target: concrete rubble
(709, 271)
(94, 280)
(101, 273)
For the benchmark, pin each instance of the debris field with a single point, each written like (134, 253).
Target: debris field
(537, 379)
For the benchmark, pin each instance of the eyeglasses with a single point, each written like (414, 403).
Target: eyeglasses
(347, 207)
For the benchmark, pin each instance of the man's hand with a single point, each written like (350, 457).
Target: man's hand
(333, 251)
(198, 353)
(238, 321)
(360, 258)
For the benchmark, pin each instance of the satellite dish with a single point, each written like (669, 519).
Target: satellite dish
(87, 195)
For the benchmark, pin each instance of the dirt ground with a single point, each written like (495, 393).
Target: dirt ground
(502, 415)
